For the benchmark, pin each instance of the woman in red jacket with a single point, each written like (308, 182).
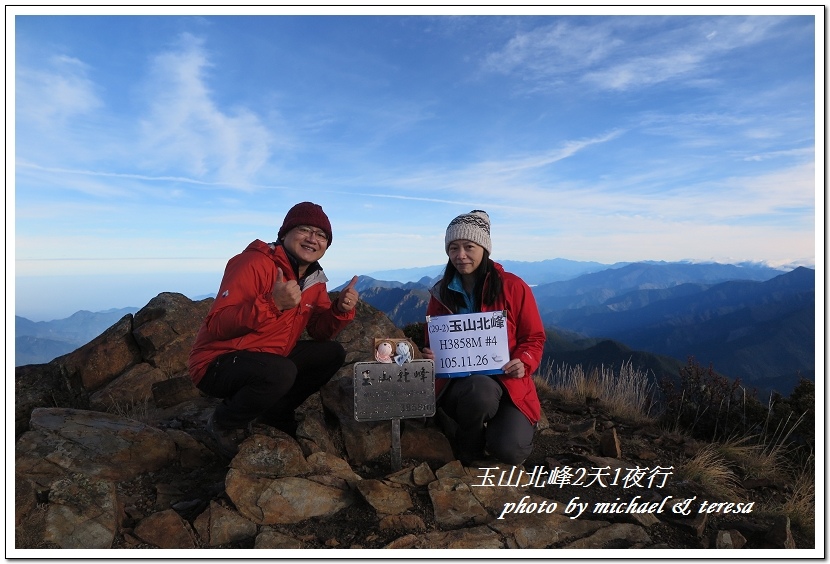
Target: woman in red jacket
(248, 351)
(497, 414)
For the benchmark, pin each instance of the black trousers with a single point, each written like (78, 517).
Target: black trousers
(269, 386)
(487, 419)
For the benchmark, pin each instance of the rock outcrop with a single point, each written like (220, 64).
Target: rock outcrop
(111, 452)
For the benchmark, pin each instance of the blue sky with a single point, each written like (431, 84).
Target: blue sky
(149, 149)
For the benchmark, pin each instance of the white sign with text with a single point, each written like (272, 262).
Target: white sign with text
(469, 343)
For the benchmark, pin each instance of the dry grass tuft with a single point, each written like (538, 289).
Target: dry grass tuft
(626, 394)
(711, 470)
(753, 458)
(800, 506)
(737, 449)
(769, 457)
(543, 387)
(136, 410)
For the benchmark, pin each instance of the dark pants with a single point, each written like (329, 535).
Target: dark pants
(269, 386)
(487, 419)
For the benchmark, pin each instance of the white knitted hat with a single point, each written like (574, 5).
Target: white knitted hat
(473, 226)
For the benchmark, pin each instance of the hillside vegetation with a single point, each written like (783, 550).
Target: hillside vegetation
(745, 441)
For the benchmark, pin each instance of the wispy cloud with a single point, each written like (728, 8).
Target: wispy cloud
(543, 159)
(185, 128)
(496, 177)
(119, 175)
(594, 138)
(624, 53)
(558, 50)
(51, 95)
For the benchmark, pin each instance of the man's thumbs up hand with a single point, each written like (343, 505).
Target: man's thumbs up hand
(286, 293)
(347, 300)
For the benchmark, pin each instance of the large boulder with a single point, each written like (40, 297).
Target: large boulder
(268, 501)
(166, 328)
(105, 357)
(119, 368)
(132, 387)
(358, 338)
(99, 445)
(83, 512)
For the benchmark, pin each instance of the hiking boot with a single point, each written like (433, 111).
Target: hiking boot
(227, 440)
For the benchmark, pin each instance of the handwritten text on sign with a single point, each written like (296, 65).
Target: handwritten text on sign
(387, 391)
(470, 343)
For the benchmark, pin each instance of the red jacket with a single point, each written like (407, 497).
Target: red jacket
(526, 338)
(245, 317)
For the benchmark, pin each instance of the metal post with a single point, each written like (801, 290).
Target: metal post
(396, 444)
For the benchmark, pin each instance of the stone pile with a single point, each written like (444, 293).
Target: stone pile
(111, 452)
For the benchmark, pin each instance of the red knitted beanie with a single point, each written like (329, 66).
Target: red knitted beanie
(306, 213)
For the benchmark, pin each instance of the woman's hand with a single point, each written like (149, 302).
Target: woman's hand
(428, 354)
(514, 369)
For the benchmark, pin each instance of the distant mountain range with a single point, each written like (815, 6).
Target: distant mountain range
(762, 332)
(403, 303)
(37, 342)
(557, 270)
(750, 321)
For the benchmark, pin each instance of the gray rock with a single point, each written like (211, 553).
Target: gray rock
(729, 539)
(583, 429)
(76, 469)
(363, 441)
(166, 529)
(268, 501)
(402, 523)
(270, 457)
(173, 391)
(618, 535)
(324, 463)
(480, 537)
(269, 538)
(98, 445)
(166, 328)
(190, 452)
(780, 535)
(425, 443)
(218, 525)
(609, 443)
(83, 513)
(455, 505)
(312, 433)
(105, 357)
(422, 474)
(385, 498)
(132, 387)
(542, 530)
(25, 498)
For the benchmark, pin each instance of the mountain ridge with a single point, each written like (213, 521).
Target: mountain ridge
(639, 303)
(630, 299)
(559, 268)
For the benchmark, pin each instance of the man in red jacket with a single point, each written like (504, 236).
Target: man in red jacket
(248, 351)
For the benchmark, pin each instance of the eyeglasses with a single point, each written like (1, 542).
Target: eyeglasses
(307, 231)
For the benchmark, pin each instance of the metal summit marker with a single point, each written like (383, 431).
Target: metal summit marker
(384, 391)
